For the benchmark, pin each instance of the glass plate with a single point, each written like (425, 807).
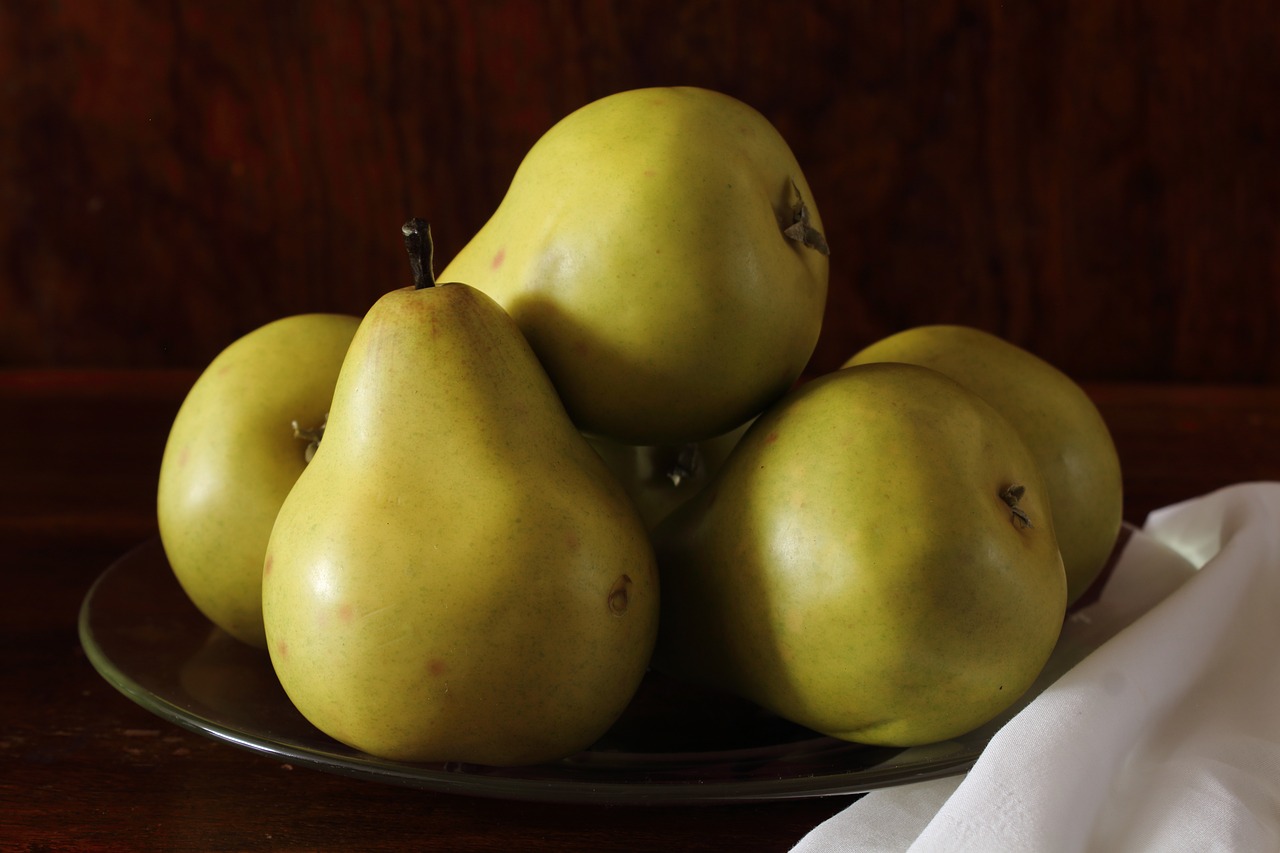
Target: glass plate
(674, 744)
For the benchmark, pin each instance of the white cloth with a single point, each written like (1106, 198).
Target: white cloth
(1166, 738)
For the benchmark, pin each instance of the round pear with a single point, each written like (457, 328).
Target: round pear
(663, 254)
(875, 561)
(238, 444)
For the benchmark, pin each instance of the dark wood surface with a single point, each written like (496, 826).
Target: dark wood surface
(82, 768)
(1093, 180)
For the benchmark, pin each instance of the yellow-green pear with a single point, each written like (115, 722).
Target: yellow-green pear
(456, 576)
(662, 252)
(658, 478)
(1057, 420)
(876, 561)
(237, 445)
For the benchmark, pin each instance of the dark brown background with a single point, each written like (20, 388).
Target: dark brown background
(1097, 181)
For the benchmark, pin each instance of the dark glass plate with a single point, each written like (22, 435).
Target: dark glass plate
(674, 744)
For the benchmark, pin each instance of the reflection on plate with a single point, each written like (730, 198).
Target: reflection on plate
(673, 744)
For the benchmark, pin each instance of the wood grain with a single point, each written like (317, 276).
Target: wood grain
(1095, 181)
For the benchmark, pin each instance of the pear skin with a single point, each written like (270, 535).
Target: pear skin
(662, 251)
(456, 576)
(1057, 420)
(876, 561)
(232, 455)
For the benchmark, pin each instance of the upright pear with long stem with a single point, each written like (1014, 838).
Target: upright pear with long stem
(456, 576)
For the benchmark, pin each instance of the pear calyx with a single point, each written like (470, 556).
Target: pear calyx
(417, 242)
(1011, 495)
(800, 229)
(311, 435)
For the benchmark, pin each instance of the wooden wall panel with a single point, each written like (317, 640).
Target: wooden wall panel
(1097, 181)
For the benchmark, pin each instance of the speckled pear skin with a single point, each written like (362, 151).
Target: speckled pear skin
(855, 566)
(456, 576)
(232, 456)
(1059, 423)
(640, 247)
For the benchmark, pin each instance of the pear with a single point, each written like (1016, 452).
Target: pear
(659, 478)
(876, 561)
(662, 252)
(456, 576)
(1057, 420)
(237, 445)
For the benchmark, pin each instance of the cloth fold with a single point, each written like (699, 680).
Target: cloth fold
(1165, 738)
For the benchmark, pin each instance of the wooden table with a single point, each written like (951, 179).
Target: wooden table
(83, 768)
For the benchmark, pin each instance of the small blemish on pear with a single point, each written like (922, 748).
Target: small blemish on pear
(620, 595)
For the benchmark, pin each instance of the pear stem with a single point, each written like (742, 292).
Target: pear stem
(417, 242)
(801, 228)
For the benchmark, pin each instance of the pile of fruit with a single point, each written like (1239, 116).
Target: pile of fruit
(466, 525)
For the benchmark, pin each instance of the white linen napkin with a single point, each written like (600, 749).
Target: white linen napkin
(1165, 738)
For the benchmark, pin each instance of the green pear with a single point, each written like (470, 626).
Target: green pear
(237, 445)
(876, 561)
(456, 576)
(661, 250)
(1057, 420)
(659, 478)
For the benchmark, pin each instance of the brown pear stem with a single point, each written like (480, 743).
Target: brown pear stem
(417, 242)
(801, 227)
